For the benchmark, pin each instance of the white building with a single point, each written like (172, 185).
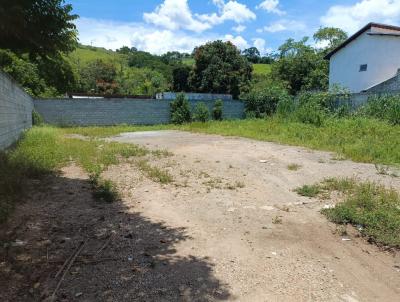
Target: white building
(368, 58)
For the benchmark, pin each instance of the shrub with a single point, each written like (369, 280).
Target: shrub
(180, 110)
(263, 102)
(201, 113)
(384, 107)
(285, 107)
(37, 119)
(217, 110)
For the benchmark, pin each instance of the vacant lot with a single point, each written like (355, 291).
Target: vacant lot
(215, 219)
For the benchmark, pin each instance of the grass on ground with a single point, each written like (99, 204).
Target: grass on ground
(372, 208)
(44, 150)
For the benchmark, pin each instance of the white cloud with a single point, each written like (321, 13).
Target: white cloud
(175, 15)
(240, 28)
(285, 25)
(232, 10)
(238, 41)
(352, 17)
(113, 35)
(271, 6)
(260, 44)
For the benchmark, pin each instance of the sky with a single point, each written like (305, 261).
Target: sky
(158, 26)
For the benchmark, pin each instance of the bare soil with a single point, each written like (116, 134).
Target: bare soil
(229, 228)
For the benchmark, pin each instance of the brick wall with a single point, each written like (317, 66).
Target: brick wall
(15, 111)
(86, 112)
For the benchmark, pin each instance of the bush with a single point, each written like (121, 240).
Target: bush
(383, 107)
(180, 110)
(263, 102)
(201, 113)
(310, 110)
(217, 110)
(37, 119)
(285, 107)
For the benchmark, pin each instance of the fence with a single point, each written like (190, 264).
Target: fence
(15, 111)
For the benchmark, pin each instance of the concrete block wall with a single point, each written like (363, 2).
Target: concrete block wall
(15, 111)
(104, 112)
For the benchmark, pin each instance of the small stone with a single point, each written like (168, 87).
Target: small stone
(78, 294)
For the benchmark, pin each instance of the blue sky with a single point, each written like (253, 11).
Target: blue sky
(159, 26)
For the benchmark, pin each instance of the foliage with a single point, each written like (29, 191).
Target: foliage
(26, 73)
(386, 107)
(201, 112)
(372, 208)
(180, 110)
(308, 191)
(141, 81)
(37, 119)
(103, 189)
(43, 27)
(98, 77)
(219, 68)
(263, 102)
(142, 59)
(155, 173)
(301, 67)
(252, 54)
(217, 112)
(330, 35)
(180, 78)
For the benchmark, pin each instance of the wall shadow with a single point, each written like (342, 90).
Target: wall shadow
(126, 256)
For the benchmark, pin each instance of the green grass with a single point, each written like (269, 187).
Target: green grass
(372, 208)
(358, 139)
(85, 54)
(308, 191)
(261, 69)
(188, 61)
(293, 167)
(44, 150)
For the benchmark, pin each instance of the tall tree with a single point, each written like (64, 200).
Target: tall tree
(252, 54)
(330, 37)
(220, 68)
(42, 27)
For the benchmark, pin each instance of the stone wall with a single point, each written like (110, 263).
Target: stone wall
(87, 112)
(15, 111)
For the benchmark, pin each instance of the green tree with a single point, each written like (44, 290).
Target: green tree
(301, 67)
(331, 36)
(98, 77)
(180, 78)
(180, 110)
(220, 68)
(252, 54)
(42, 27)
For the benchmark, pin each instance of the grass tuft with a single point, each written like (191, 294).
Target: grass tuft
(308, 191)
(294, 167)
(155, 173)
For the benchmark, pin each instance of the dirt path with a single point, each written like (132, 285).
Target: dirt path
(229, 228)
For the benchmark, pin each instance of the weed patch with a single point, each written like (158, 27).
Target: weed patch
(372, 208)
(155, 173)
(294, 167)
(308, 191)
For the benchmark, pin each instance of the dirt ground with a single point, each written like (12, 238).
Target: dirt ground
(229, 228)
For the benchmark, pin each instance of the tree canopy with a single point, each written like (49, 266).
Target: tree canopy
(42, 27)
(220, 68)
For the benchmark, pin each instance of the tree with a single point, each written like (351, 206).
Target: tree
(42, 27)
(330, 35)
(220, 68)
(180, 78)
(125, 50)
(252, 54)
(98, 76)
(301, 67)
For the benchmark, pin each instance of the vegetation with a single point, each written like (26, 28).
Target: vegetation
(201, 113)
(155, 173)
(217, 112)
(44, 150)
(385, 107)
(220, 68)
(370, 207)
(180, 110)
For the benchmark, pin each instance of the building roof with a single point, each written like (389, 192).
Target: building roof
(386, 30)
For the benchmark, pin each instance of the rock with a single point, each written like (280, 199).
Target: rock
(78, 294)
